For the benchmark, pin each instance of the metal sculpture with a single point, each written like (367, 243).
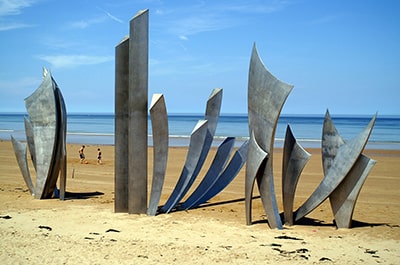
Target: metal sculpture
(293, 162)
(266, 96)
(346, 156)
(198, 150)
(345, 168)
(121, 168)
(195, 146)
(131, 88)
(344, 197)
(159, 122)
(222, 180)
(46, 138)
(217, 165)
(20, 152)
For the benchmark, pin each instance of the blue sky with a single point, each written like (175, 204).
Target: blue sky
(341, 55)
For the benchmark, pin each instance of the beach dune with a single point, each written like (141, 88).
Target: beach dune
(84, 228)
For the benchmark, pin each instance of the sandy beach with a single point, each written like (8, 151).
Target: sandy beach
(84, 229)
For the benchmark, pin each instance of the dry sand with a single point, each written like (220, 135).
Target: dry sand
(85, 230)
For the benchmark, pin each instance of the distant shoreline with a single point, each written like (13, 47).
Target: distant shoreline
(183, 141)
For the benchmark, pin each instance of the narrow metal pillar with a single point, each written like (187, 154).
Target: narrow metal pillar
(121, 126)
(138, 108)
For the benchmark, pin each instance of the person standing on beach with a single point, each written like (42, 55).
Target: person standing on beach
(98, 156)
(82, 154)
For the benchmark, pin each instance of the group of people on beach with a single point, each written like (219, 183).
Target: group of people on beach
(83, 158)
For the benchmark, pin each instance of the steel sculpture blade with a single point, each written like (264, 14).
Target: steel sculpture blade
(61, 141)
(46, 138)
(217, 165)
(330, 144)
(41, 107)
(138, 112)
(30, 140)
(256, 160)
(346, 156)
(266, 96)
(344, 197)
(159, 122)
(211, 116)
(293, 162)
(20, 154)
(194, 152)
(226, 177)
(121, 167)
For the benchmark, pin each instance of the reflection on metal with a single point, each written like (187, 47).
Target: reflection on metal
(346, 156)
(131, 89)
(344, 197)
(159, 122)
(293, 162)
(195, 158)
(266, 96)
(46, 137)
(20, 153)
(226, 177)
(218, 164)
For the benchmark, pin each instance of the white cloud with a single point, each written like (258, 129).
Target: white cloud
(13, 7)
(20, 87)
(69, 61)
(11, 26)
(82, 24)
(213, 16)
(112, 16)
(10, 8)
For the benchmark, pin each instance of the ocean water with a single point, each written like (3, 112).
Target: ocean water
(99, 129)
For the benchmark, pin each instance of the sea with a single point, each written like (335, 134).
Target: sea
(98, 129)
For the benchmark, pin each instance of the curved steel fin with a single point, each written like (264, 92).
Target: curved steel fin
(294, 160)
(159, 123)
(331, 141)
(226, 177)
(61, 142)
(266, 97)
(20, 154)
(41, 107)
(256, 160)
(30, 140)
(346, 156)
(217, 165)
(211, 116)
(58, 160)
(192, 158)
(343, 198)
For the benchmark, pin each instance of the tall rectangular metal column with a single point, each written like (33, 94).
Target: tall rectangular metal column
(121, 126)
(138, 109)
